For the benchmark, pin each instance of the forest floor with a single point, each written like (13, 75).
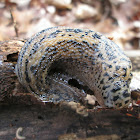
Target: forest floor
(117, 19)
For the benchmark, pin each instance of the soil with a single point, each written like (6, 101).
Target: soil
(50, 122)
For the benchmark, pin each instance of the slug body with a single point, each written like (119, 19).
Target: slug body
(64, 64)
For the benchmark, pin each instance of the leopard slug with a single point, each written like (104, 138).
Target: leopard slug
(64, 64)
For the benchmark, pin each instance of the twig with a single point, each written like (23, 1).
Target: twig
(14, 23)
(18, 135)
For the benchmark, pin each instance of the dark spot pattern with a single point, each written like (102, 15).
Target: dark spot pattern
(26, 71)
(34, 48)
(86, 33)
(33, 69)
(31, 89)
(82, 36)
(102, 81)
(125, 93)
(78, 30)
(106, 74)
(116, 87)
(86, 59)
(116, 75)
(54, 34)
(42, 38)
(69, 30)
(96, 36)
(115, 98)
(117, 67)
(110, 66)
(127, 101)
(110, 78)
(100, 55)
(125, 72)
(110, 52)
(105, 87)
(63, 35)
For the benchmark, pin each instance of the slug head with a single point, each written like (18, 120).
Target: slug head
(118, 94)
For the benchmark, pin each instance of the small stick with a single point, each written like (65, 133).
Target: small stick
(14, 23)
(18, 135)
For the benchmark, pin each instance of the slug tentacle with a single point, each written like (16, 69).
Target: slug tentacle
(55, 56)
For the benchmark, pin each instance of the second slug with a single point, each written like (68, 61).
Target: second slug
(64, 64)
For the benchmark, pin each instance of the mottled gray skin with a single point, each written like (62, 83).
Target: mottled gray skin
(50, 60)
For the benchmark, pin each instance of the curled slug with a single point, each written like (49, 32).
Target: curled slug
(64, 64)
